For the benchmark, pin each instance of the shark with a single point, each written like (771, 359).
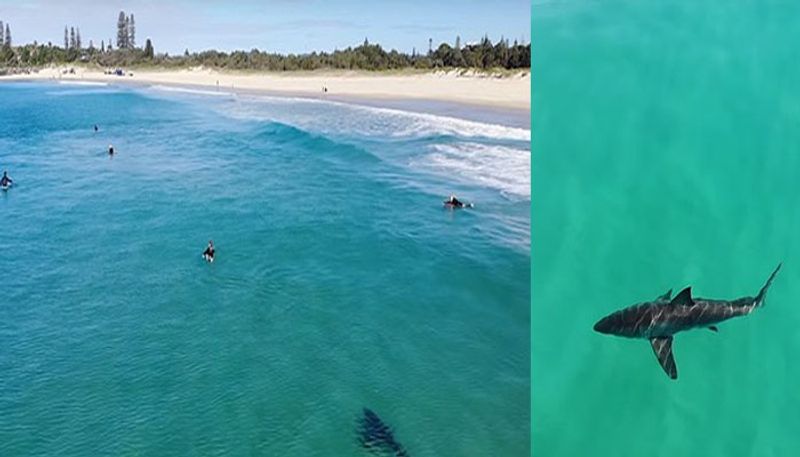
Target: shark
(659, 320)
(377, 437)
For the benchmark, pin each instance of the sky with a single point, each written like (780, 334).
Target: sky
(284, 26)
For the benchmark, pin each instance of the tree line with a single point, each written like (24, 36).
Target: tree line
(367, 56)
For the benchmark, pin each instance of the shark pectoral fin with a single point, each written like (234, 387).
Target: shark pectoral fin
(662, 347)
(713, 328)
(683, 298)
(666, 296)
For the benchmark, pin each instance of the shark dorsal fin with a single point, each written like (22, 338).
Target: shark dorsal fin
(683, 298)
(666, 297)
(662, 347)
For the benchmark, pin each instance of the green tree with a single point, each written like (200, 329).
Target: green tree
(458, 58)
(501, 54)
(66, 38)
(487, 52)
(148, 49)
(132, 33)
(122, 32)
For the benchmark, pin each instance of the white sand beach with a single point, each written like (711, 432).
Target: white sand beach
(510, 91)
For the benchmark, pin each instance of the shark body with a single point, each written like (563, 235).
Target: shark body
(660, 319)
(377, 437)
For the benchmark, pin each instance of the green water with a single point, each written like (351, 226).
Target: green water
(665, 154)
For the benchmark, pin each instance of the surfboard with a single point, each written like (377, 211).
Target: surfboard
(5, 187)
(452, 206)
(208, 258)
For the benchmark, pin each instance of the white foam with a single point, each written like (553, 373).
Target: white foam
(500, 167)
(185, 90)
(79, 92)
(82, 83)
(422, 124)
(368, 121)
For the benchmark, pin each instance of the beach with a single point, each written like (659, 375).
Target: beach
(509, 92)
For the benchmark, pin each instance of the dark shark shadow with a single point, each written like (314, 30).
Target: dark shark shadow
(377, 437)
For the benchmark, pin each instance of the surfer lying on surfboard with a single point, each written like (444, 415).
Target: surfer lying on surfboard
(453, 202)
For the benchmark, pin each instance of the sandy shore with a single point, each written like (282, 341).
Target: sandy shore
(507, 92)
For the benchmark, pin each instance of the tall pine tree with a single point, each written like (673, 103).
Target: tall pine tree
(127, 34)
(2, 34)
(72, 38)
(122, 32)
(132, 33)
(78, 39)
(66, 38)
(7, 42)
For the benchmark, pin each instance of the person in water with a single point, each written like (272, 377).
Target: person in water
(95, 128)
(5, 180)
(454, 202)
(208, 254)
(110, 150)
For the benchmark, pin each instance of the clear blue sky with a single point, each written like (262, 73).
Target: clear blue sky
(274, 25)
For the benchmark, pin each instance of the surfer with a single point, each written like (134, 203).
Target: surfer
(208, 254)
(5, 181)
(454, 202)
(110, 150)
(95, 128)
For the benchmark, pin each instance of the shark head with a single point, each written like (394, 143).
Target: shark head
(609, 325)
(632, 321)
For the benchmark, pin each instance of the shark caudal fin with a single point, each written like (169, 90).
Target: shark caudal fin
(762, 294)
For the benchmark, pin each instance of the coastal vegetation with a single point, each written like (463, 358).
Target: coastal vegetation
(484, 55)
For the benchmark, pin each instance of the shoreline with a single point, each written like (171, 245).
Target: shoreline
(482, 99)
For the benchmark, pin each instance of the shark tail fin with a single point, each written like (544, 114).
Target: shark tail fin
(762, 294)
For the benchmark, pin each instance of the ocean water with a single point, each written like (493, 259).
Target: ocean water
(340, 281)
(665, 139)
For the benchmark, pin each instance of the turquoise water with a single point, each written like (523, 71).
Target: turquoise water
(340, 281)
(665, 154)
